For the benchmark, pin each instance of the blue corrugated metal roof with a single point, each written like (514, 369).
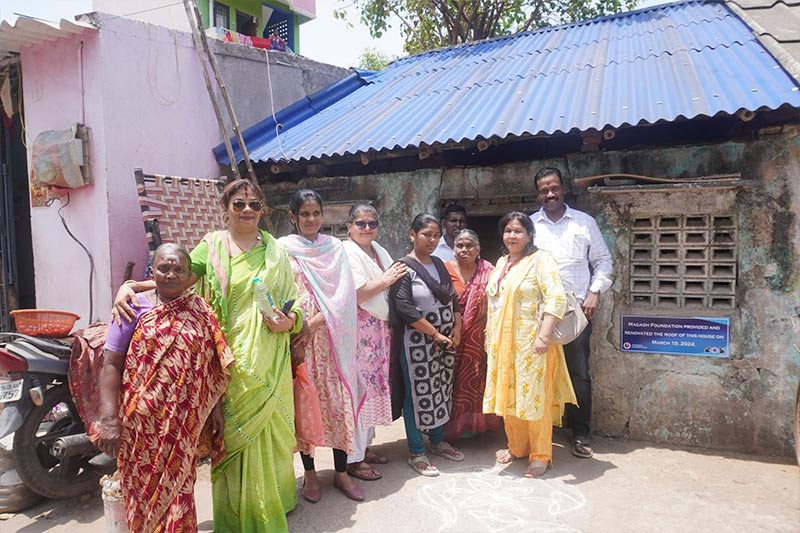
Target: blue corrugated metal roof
(687, 60)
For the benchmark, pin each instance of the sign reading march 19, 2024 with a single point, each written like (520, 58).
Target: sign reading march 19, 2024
(675, 335)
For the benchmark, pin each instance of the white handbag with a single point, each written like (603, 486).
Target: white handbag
(569, 327)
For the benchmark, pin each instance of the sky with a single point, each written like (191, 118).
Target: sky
(324, 39)
(332, 41)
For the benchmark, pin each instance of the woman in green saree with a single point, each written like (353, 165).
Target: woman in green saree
(254, 485)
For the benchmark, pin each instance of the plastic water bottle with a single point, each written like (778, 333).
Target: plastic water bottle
(264, 298)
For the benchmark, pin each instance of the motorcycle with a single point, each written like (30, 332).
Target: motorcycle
(53, 454)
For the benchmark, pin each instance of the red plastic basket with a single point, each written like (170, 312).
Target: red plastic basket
(44, 322)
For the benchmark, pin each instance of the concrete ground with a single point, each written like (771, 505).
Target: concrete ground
(627, 486)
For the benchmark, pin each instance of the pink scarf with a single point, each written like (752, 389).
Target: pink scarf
(326, 270)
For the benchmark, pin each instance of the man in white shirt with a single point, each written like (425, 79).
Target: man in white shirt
(454, 219)
(574, 238)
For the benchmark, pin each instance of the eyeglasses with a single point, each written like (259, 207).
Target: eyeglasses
(239, 205)
(362, 224)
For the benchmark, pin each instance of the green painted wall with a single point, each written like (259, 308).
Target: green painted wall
(252, 7)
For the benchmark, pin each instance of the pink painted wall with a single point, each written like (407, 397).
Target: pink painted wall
(306, 7)
(146, 110)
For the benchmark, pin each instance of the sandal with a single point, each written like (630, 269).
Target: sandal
(444, 449)
(311, 495)
(581, 448)
(428, 470)
(535, 469)
(363, 471)
(375, 458)
(504, 457)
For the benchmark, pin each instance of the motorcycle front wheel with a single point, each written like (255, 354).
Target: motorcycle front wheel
(42, 473)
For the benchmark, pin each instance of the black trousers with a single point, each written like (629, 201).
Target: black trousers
(577, 355)
(339, 460)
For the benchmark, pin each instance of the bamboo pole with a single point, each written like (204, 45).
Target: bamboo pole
(212, 60)
(211, 94)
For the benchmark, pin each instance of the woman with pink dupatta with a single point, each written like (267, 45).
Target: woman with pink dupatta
(327, 342)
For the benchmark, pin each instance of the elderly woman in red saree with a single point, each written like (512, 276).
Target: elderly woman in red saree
(156, 398)
(470, 274)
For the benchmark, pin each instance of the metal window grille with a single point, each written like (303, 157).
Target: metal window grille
(222, 15)
(282, 23)
(683, 261)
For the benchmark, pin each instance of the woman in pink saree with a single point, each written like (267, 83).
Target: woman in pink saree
(327, 342)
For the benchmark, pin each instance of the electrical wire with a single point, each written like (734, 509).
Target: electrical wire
(24, 132)
(153, 83)
(278, 125)
(85, 249)
(139, 12)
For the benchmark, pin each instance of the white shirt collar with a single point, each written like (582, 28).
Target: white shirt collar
(542, 217)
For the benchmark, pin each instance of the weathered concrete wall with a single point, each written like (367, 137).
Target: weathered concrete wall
(251, 81)
(741, 403)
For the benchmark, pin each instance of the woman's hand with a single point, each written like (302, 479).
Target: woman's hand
(457, 335)
(393, 273)
(124, 302)
(540, 344)
(309, 328)
(218, 419)
(108, 437)
(444, 340)
(281, 322)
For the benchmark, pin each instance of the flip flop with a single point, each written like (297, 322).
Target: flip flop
(366, 474)
(504, 457)
(428, 470)
(375, 458)
(581, 448)
(535, 469)
(446, 450)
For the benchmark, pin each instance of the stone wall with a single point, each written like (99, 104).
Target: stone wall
(743, 402)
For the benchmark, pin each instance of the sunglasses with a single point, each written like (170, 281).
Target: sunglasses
(362, 224)
(239, 205)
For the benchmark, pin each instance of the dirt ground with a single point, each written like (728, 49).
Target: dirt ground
(627, 486)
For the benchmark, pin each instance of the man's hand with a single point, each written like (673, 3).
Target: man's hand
(590, 304)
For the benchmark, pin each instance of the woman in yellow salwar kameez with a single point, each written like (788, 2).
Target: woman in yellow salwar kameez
(254, 485)
(527, 382)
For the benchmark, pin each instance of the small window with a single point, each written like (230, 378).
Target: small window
(222, 15)
(281, 23)
(683, 261)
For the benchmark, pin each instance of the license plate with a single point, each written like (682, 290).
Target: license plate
(10, 391)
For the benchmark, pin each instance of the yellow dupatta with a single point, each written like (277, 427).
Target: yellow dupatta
(516, 374)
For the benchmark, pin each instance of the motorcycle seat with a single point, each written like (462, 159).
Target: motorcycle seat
(38, 360)
(59, 348)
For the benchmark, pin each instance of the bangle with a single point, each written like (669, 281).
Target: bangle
(545, 339)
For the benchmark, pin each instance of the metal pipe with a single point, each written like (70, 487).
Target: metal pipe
(72, 445)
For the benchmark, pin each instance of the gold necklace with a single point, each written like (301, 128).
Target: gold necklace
(242, 248)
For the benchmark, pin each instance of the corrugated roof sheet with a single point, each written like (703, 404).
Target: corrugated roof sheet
(688, 59)
(777, 24)
(28, 31)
